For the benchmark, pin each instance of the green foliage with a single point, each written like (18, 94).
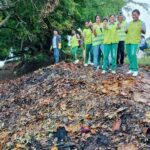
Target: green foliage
(4, 54)
(41, 57)
(32, 22)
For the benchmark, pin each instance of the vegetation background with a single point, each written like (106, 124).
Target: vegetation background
(27, 25)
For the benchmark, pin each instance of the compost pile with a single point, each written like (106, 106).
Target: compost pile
(68, 106)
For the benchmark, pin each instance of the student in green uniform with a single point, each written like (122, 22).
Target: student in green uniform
(74, 46)
(110, 45)
(97, 42)
(87, 37)
(105, 26)
(134, 30)
(121, 35)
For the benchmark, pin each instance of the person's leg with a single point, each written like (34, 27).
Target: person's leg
(122, 44)
(119, 52)
(128, 50)
(106, 55)
(102, 54)
(142, 48)
(91, 53)
(96, 55)
(74, 53)
(113, 56)
(134, 63)
(56, 55)
(99, 55)
(87, 52)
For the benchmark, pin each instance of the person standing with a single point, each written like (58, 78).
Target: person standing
(56, 46)
(74, 46)
(87, 37)
(105, 26)
(97, 42)
(134, 30)
(121, 35)
(143, 43)
(110, 45)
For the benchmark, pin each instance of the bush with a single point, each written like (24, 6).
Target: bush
(32, 63)
(4, 54)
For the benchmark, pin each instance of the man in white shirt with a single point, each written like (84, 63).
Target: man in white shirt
(56, 45)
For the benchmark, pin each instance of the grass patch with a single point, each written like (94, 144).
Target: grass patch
(145, 61)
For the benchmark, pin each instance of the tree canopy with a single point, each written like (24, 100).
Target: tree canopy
(27, 25)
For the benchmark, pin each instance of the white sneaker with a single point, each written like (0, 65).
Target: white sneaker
(113, 72)
(135, 73)
(130, 72)
(76, 61)
(85, 65)
(98, 67)
(92, 64)
(103, 72)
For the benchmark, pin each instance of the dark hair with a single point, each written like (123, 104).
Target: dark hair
(136, 11)
(75, 30)
(86, 21)
(112, 15)
(97, 16)
(120, 14)
(56, 30)
(105, 18)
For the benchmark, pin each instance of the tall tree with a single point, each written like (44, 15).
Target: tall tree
(27, 25)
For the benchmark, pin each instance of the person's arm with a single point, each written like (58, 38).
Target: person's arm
(118, 26)
(94, 30)
(126, 28)
(78, 36)
(143, 30)
(83, 34)
(59, 38)
(91, 26)
(105, 26)
(142, 43)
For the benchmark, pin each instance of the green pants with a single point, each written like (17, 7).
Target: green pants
(74, 52)
(110, 48)
(131, 50)
(88, 50)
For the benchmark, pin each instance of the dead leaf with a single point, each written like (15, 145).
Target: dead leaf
(88, 116)
(85, 129)
(116, 124)
(63, 106)
(4, 136)
(45, 101)
(54, 148)
(128, 147)
(73, 128)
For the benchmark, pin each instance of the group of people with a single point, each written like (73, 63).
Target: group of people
(106, 40)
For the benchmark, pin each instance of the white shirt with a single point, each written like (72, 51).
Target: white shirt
(54, 42)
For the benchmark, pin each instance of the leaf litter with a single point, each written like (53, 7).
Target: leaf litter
(67, 106)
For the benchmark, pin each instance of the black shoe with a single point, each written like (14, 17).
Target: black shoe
(119, 65)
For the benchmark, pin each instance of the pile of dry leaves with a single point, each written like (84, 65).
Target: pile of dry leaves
(67, 106)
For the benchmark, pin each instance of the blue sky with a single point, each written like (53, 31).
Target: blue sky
(145, 15)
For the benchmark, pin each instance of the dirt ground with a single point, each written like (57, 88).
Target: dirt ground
(68, 106)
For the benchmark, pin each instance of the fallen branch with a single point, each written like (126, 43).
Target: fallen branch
(4, 21)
